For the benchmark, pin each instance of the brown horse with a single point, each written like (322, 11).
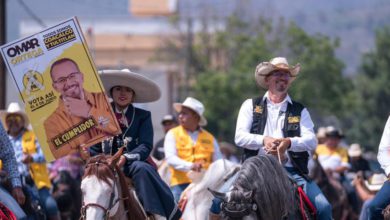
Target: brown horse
(105, 194)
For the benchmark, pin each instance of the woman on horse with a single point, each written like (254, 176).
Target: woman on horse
(126, 87)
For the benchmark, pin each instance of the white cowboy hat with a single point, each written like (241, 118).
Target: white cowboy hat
(145, 89)
(167, 118)
(194, 105)
(354, 150)
(277, 63)
(14, 108)
(376, 181)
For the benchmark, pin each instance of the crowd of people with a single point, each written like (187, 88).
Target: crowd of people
(272, 123)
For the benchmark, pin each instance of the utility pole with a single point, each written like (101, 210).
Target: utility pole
(3, 36)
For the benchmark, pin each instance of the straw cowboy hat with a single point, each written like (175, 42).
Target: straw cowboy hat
(277, 63)
(145, 89)
(354, 150)
(321, 132)
(194, 105)
(14, 109)
(375, 182)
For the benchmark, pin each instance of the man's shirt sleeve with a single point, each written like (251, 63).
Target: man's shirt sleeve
(384, 149)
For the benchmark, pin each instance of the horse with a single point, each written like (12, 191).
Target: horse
(262, 190)
(105, 191)
(333, 191)
(67, 193)
(199, 199)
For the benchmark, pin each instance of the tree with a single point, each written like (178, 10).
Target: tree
(373, 94)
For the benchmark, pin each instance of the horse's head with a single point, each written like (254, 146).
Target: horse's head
(99, 187)
(237, 204)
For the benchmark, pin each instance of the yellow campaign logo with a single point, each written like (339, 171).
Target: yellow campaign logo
(293, 119)
(32, 81)
(258, 109)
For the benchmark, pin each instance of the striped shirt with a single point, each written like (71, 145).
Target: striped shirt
(7, 156)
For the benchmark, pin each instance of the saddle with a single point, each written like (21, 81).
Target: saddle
(5, 213)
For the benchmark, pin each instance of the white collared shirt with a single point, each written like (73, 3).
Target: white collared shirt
(384, 148)
(274, 127)
(171, 153)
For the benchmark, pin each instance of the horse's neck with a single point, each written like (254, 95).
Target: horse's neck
(120, 213)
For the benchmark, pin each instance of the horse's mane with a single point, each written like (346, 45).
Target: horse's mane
(104, 169)
(271, 188)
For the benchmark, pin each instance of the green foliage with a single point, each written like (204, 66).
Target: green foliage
(373, 92)
(320, 85)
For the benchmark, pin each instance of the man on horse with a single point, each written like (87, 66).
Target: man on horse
(189, 146)
(275, 124)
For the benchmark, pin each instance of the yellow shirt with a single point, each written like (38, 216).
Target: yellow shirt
(331, 159)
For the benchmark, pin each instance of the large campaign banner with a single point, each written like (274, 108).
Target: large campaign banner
(61, 89)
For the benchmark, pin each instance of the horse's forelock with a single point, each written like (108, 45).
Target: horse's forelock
(99, 167)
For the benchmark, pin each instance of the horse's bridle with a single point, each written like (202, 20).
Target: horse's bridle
(112, 196)
(239, 209)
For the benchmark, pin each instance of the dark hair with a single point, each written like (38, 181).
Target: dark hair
(60, 61)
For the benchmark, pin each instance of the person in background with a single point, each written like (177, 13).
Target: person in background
(382, 198)
(366, 190)
(168, 122)
(332, 157)
(189, 146)
(357, 161)
(321, 135)
(229, 151)
(9, 165)
(30, 158)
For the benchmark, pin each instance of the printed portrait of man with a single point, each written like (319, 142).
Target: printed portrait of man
(82, 118)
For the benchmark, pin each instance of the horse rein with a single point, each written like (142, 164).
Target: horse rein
(112, 196)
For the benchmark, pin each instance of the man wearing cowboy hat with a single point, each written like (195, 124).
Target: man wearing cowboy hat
(81, 117)
(332, 157)
(30, 158)
(382, 198)
(275, 124)
(189, 146)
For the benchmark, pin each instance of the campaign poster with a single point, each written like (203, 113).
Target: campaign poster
(63, 95)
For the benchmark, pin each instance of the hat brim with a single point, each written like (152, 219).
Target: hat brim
(4, 114)
(354, 153)
(373, 187)
(179, 106)
(265, 68)
(145, 89)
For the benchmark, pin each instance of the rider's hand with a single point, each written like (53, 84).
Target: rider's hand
(284, 144)
(270, 144)
(121, 161)
(197, 166)
(18, 194)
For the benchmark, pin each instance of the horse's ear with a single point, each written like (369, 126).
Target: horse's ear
(114, 159)
(217, 194)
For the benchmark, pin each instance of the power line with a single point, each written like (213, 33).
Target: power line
(32, 14)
